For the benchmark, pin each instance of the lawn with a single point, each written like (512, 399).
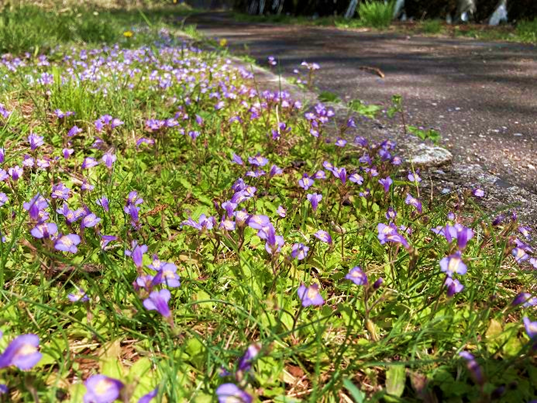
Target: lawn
(171, 232)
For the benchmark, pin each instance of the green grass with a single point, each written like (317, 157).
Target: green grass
(376, 14)
(523, 31)
(394, 342)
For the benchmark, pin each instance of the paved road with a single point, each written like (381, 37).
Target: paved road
(482, 97)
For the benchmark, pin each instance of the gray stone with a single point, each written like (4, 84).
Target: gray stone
(424, 155)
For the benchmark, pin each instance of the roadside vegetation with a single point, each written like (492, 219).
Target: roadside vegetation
(523, 31)
(171, 232)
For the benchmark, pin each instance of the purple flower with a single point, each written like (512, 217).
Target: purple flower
(459, 232)
(281, 211)
(60, 191)
(89, 221)
(340, 173)
(109, 160)
(245, 362)
(258, 222)
(275, 170)
(73, 131)
(323, 236)
(524, 298)
(116, 123)
(299, 251)
(67, 243)
(79, 295)
(378, 283)
(306, 182)
(389, 233)
(3, 199)
(478, 193)
(89, 163)
(391, 214)
(272, 61)
(15, 172)
(21, 353)
(103, 202)
(70, 216)
(525, 231)
(413, 202)
(386, 183)
(35, 141)
(520, 255)
(453, 264)
(3, 175)
(310, 295)
(102, 389)
(274, 242)
(3, 388)
(531, 327)
(168, 275)
(357, 276)
(314, 199)
(237, 160)
(67, 152)
(414, 176)
(106, 239)
(258, 160)
(44, 230)
(158, 301)
(231, 393)
(341, 142)
(473, 367)
(149, 396)
(355, 178)
(137, 253)
(453, 286)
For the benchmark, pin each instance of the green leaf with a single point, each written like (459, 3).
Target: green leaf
(356, 393)
(395, 380)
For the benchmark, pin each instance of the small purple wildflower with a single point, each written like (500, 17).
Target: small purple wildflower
(231, 393)
(323, 236)
(310, 295)
(73, 131)
(60, 191)
(137, 253)
(473, 367)
(67, 243)
(386, 183)
(531, 328)
(21, 352)
(89, 163)
(109, 160)
(299, 251)
(525, 299)
(102, 389)
(35, 141)
(44, 230)
(453, 264)
(413, 202)
(89, 221)
(79, 295)
(453, 286)
(478, 193)
(314, 199)
(149, 396)
(158, 301)
(357, 276)
(306, 182)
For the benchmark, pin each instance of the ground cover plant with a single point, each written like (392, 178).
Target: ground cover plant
(171, 232)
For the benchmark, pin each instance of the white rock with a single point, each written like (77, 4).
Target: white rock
(429, 156)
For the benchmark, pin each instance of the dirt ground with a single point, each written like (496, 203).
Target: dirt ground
(480, 96)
